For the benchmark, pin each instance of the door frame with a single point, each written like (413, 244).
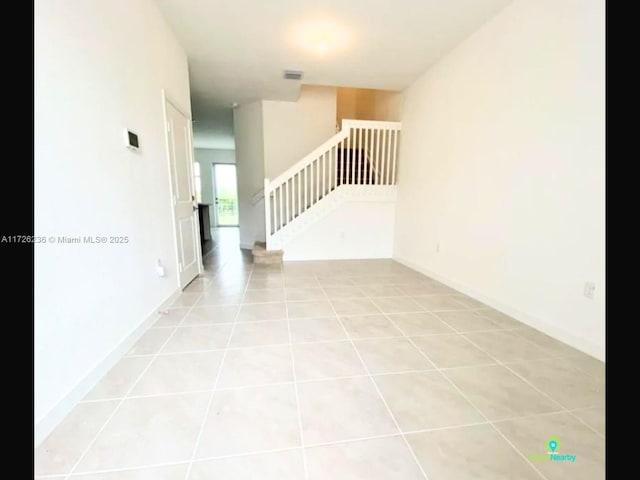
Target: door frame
(166, 98)
(215, 193)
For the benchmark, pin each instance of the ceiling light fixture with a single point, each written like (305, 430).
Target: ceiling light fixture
(320, 36)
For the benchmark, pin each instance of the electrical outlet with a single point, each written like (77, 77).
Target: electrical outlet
(589, 288)
(438, 247)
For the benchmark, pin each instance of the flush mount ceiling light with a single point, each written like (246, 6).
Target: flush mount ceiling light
(320, 37)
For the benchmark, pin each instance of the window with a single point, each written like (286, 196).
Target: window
(196, 173)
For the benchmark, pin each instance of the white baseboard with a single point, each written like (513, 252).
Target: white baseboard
(246, 246)
(47, 423)
(559, 334)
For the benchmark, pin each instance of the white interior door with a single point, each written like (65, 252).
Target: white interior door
(185, 209)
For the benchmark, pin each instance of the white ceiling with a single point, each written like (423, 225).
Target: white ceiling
(238, 49)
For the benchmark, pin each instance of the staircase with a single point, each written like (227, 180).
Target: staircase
(358, 162)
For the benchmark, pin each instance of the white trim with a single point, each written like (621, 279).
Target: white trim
(50, 420)
(373, 124)
(558, 333)
(308, 159)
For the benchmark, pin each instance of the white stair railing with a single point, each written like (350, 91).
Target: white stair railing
(362, 153)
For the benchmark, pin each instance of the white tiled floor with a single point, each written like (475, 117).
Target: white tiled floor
(333, 370)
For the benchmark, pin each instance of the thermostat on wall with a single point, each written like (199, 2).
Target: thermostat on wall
(131, 140)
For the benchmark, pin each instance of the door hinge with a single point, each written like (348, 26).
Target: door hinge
(168, 126)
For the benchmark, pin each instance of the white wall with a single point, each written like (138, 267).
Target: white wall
(294, 129)
(503, 165)
(356, 229)
(206, 157)
(90, 84)
(248, 129)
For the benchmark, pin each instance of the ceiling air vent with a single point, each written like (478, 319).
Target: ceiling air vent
(293, 74)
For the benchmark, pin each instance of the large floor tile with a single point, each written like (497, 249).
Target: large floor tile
(439, 303)
(344, 292)
(594, 417)
(304, 294)
(342, 409)
(300, 281)
(263, 283)
(147, 431)
(316, 329)
(284, 465)
(545, 342)
(376, 459)
(232, 296)
(451, 350)
(249, 334)
(192, 339)
(469, 453)
(423, 323)
(264, 296)
(173, 472)
(391, 355)
(374, 291)
(500, 318)
(171, 317)
(59, 452)
(417, 288)
(256, 366)
(498, 393)
(187, 299)
(469, 302)
(425, 400)
(211, 314)
(564, 383)
(531, 436)
(506, 346)
(369, 326)
(326, 360)
(467, 321)
(319, 308)
(397, 305)
(117, 382)
(151, 341)
(587, 364)
(183, 372)
(262, 311)
(354, 306)
(249, 420)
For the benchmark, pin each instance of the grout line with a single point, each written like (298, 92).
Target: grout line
(375, 386)
(313, 445)
(528, 382)
(122, 400)
(215, 384)
(317, 380)
(466, 397)
(295, 382)
(295, 386)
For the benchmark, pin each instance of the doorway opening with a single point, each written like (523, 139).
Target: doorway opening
(225, 194)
